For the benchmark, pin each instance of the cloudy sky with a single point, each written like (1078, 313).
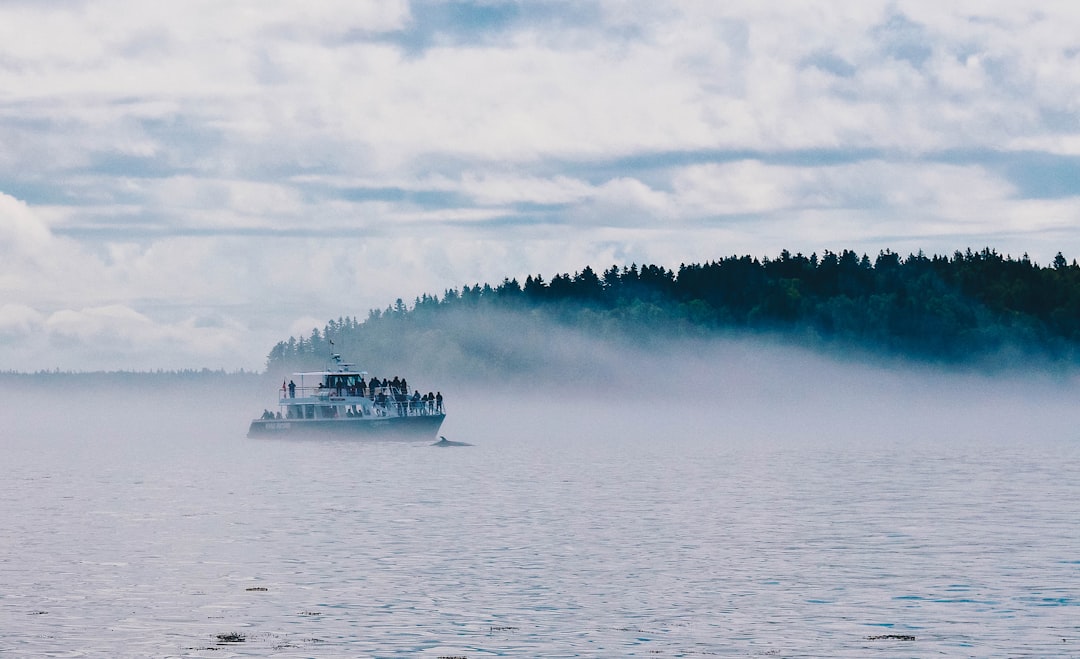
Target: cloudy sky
(183, 184)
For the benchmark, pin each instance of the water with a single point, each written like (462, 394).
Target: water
(617, 530)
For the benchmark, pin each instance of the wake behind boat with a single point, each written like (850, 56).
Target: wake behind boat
(347, 403)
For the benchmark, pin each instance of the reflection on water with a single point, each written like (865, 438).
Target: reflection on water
(177, 536)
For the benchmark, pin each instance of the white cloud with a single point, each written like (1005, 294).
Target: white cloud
(732, 76)
(497, 188)
(113, 323)
(622, 202)
(153, 152)
(22, 234)
(752, 187)
(35, 265)
(117, 337)
(18, 321)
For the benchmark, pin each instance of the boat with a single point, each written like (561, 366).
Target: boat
(342, 401)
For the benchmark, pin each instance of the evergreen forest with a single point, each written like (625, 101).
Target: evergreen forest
(971, 308)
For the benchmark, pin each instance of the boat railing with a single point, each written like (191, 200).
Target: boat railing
(383, 402)
(305, 392)
(335, 392)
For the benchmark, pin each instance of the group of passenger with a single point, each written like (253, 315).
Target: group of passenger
(415, 405)
(382, 393)
(429, 403)
(352, 385)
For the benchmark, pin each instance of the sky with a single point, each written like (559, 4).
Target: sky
(184, 184)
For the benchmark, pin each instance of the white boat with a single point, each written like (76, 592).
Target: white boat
(344, 402)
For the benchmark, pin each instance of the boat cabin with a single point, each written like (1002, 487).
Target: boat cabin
(348, 393)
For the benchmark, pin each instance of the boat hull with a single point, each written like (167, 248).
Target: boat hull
(367, 428)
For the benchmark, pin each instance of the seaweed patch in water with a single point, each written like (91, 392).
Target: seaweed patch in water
(891, 637)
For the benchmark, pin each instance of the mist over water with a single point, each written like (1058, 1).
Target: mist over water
(731, 498)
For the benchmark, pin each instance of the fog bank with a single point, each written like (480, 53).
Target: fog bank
(589, 390)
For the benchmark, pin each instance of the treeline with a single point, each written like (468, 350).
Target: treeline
(135, 378)
(969, 307)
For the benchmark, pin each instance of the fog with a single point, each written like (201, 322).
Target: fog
(747, 390)
(512, 375)
(143, 424)
(728, 390)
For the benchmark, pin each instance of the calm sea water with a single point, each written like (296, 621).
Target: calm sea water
(132, 527)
